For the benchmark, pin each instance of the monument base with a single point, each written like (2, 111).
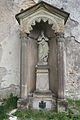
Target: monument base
(46, 101)
(38, 100)
(43, 100)
(42, 97)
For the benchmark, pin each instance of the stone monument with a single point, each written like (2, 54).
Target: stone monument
(42, 57)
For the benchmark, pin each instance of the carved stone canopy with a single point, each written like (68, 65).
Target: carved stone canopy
(45, 12)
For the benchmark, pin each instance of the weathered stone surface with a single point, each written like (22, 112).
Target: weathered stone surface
(73, 68)
(62, 105)
(72, 46)
(41, 11)
(10, 45)
(42, 79)
(43, 49)
(41, 82)
(8, 24)
(73, 7)
(5, 92)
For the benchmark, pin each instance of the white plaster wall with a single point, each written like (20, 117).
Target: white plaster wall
(10, 46)
(11, 59)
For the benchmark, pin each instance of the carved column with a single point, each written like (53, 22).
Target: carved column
(61, 103)
(23, 82)
(60, 45)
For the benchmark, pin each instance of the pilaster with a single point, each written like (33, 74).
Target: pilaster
(61, 102)
(23, 82)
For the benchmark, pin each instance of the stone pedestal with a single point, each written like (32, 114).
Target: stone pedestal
(38, 100)
(42, 96)
(44, 100)
(42, 78)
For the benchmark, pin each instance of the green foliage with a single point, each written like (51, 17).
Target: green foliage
(70, 101)
(50, 115)
(74, 103)
(77, 102)
(46, 115)
(2, 113)
(70, 114)
(9, 104)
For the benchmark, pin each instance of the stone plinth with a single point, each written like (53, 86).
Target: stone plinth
(42, 96)
(38, 100)
(44, 100)
(42, 78)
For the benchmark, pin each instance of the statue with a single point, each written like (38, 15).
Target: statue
(43, 49)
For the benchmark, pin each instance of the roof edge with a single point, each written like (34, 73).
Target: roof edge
(42, 2)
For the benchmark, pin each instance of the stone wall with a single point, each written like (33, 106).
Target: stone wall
(10, 45)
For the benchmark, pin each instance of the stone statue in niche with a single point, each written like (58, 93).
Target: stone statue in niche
(43, 49)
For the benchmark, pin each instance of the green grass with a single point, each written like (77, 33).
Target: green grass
(3, 114)
(74, 104)
(77, 103)
(46, 115)
(9, 104)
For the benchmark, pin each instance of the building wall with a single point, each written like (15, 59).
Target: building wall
(10, 46)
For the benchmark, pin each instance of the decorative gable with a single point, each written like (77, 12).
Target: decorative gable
(42, 11)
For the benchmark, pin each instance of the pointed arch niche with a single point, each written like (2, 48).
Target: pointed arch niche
(51, 20)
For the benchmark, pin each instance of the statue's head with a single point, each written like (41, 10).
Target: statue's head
(42, 37)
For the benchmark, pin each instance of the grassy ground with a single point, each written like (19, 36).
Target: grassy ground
(46, 115)
(9, 104)
(73, 112)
